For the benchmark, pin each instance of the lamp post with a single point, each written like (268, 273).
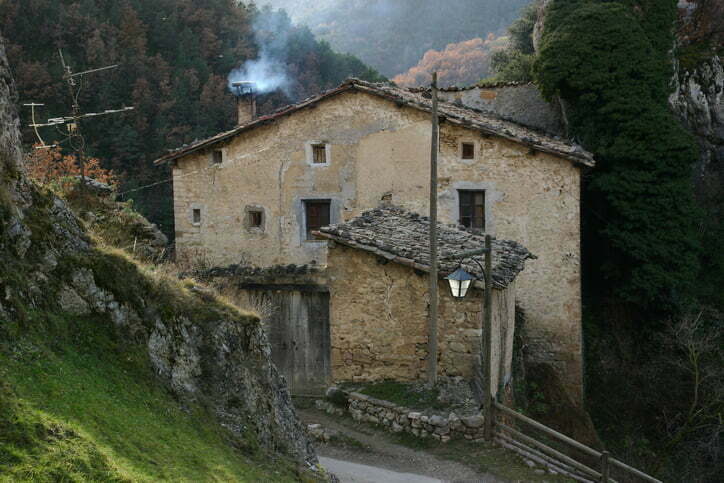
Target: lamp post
(460, 281)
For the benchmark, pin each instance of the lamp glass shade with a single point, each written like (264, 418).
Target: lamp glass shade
(460, 281)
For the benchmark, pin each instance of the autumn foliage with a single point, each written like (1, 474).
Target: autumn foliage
(460, 64)
(49, 166)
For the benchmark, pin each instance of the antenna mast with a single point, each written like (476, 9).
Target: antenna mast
(77, 141)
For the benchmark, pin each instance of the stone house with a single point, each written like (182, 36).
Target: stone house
(379, 294)
(260, 190)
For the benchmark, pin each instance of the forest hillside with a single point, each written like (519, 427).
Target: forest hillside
(174, 58)
(112, 371)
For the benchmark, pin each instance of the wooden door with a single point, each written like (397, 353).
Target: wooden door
(298, 331)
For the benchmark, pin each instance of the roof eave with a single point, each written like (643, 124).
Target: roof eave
(585, 159)
(395, 258)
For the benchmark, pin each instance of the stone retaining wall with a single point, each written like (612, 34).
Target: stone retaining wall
(401, 419)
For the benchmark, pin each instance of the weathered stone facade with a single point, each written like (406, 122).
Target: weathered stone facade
(377, 149)
(379, 322)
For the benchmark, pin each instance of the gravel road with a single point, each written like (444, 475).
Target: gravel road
(377, 454)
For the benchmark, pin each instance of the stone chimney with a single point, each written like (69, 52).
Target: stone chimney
(245, 93)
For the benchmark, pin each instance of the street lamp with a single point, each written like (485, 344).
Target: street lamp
(460, 281)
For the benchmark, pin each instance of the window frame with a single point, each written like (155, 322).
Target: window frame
(471, 206)
(256, 219)
(314, 147)
(471, 145)
(319, 202)
(461, 150)
(318, 149)
(250, 211)
(217, 157)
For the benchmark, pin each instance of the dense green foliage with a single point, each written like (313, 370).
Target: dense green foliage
(515, 63)
(393, 35)
(174, 58)
(652, 362)
(611, 65)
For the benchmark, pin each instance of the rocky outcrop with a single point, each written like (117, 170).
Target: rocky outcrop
(697, 101)
(209, 354)
(697, 93)
(10, 147)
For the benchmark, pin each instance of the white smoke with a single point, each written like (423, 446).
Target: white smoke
(268, 74)
(269, 71)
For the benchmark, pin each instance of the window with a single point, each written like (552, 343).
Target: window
(196, 216)
(319, 154)
(255, 219)
(217, 156)
(316, 216)
(472, 209)
(468, 151)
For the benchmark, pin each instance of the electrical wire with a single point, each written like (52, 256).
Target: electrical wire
(168, 180)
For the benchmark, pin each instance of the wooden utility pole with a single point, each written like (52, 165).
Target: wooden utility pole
(488, 339)
(432, 322)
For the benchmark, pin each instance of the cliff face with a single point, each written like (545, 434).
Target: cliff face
(698, 85)
(207, 353)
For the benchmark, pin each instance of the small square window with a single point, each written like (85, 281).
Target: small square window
(468, 151)
(319, 154)
(217, 156)
(197, 215)
(255, 219)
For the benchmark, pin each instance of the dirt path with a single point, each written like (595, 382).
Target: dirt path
(365, 446)
(357, 473)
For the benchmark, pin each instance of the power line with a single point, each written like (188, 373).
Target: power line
(168, 180)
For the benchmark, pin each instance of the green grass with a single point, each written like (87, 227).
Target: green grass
(403, 394)
(73, 407)
(79, 400)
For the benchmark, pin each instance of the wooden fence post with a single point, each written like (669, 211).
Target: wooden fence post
(488, 338)
(604, 467)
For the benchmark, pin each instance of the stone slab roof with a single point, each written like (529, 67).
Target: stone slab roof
(403, 237)
(418, 99)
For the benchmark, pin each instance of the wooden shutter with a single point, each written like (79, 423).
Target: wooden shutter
(317, 214)
(472, 209)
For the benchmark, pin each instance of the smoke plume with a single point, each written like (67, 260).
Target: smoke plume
(269, 70)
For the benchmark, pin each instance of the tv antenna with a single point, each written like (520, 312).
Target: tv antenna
(72, 122)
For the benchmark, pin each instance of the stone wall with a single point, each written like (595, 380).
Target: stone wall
(521, 103)
(398, 419)
(377, 150)
(379, 315)
(11, 158)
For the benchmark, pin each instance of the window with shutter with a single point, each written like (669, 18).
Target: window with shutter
(316, 215)
(472, 209)
(319, 154)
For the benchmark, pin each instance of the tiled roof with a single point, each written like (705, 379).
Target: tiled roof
(403, 237)
(479, 85)
(453, 114)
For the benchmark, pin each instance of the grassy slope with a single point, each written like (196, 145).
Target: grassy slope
(74, 406)
(78, 402)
